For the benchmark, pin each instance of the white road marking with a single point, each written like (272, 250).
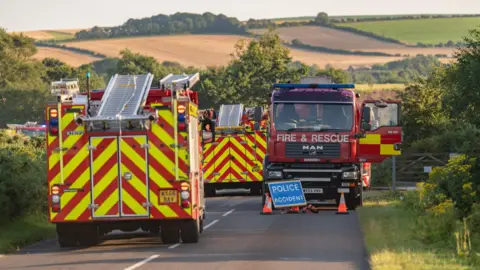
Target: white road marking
(174, 246)
(210, 224)
(228, 213)
(170, 247)
(142, 262)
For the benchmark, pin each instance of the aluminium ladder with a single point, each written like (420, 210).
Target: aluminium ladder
(230, 116)
(124, 96)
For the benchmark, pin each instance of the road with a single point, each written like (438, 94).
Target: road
(236, 236)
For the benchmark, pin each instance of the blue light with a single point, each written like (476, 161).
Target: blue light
(44, 125)
(317, 86)
(53, 122)
(88, 74)
(181, 117)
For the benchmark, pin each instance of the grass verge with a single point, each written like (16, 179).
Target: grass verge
(389, 232)
(25, 231)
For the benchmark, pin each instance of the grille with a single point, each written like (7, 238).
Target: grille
(305, 150)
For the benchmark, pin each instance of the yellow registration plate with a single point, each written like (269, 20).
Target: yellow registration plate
(168, 196)
(255, 169)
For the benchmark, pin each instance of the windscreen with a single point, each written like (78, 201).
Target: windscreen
(313, 116)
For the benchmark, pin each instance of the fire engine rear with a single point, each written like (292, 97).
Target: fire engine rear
(126, 158)
(321, 135)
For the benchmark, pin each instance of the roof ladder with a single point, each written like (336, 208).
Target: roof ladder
(124, 96)
(230, 116)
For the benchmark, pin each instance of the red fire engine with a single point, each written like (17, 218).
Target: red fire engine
(126, 158)
(321, 135)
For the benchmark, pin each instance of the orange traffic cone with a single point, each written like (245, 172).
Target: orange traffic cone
(294, 210)
(342, 207)
(267, 208)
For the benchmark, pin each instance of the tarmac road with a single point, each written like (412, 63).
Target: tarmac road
(236, 236)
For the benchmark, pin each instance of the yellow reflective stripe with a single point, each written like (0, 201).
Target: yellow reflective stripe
(135, 206)
(371, 139)
(387, 149)
(112, 200)
(167, 211)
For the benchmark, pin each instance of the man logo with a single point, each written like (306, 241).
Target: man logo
(312, 149)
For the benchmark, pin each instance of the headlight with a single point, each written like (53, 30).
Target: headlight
(55, 199)
(349, 175)
(274, 174)
(184, 195)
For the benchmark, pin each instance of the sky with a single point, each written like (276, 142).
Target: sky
(24, 15)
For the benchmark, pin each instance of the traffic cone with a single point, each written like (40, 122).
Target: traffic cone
(267, 208)
(342, 207)
(294, 210)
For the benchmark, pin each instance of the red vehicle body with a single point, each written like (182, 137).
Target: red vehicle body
(323, 136)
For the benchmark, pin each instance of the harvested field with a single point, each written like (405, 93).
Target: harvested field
(336, 39)
(66, 56)
(51, 34)
(211, 50)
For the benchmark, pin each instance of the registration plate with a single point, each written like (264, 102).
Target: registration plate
(255, 169)
(168, 196)
(313, 190)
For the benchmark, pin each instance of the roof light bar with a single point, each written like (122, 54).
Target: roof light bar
(317, 86)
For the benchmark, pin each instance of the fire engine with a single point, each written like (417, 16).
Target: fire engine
(126, 158)
(323, 136)
(234, 146)
(29, 129)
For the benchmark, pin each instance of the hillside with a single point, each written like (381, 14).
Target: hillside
(206, 50)
(59, 34)
(66, 56)
(332, 38)
(427, 31)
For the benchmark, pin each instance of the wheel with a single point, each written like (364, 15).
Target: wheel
(170, 235)
(360, 198)
(89, 235)
(209, 191)
(351, 202)
(201, 225)
(155, 230)
(191, 231)
(66, 235)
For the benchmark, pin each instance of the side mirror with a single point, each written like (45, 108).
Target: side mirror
(366, 112)
(366, 126)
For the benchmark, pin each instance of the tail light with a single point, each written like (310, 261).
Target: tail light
(53, 122)
(55, 198)
(185, 194)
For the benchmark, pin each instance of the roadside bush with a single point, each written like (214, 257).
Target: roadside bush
(436, 225)
(23, 180)
(382, 173)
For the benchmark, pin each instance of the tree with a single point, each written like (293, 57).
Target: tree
(321, 19)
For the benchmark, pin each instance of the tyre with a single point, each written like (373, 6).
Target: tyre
(191, 231)
(66, 235)
(201, 225)
(360, 198)
(209, 191)
(170, 235)
(351, 202)
(89, 235)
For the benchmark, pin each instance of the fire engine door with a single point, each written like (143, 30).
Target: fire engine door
(119, 175)
(383, 134)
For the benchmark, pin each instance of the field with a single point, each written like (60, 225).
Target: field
(332, 38)
(428, 31)
(52, 34)
(211, 50)
(69, 57)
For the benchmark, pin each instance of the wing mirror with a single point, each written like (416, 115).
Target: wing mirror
(366, 113)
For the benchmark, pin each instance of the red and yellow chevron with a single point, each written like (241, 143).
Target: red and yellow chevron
(132, 175)
(235, 158)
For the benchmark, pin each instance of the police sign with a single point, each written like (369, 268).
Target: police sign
(287, 194)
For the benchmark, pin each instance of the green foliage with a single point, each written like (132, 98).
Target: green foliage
(22, 180)
(178, 23)
(53, 44)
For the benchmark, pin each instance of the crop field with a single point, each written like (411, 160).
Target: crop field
(60, 34)
(428, 31)
(332, 38)
(72, 58)
(212, 50)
